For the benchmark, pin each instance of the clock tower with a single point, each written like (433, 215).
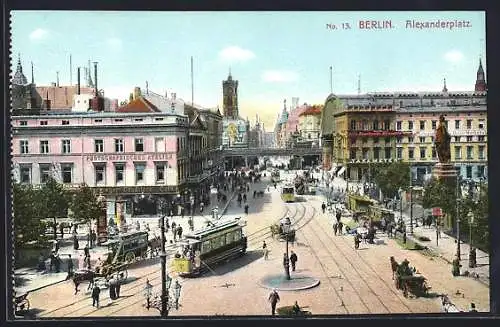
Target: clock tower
(230, 97)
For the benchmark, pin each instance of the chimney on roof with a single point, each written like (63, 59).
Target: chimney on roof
(57, 78)
(78, 81)
(137, 92)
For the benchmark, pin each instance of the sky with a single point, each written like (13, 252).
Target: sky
(273, 55)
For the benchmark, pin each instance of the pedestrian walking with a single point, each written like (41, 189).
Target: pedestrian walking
(202, 207)
(338, 215)
(246, 208)
(179, 232)
(245, 198)
(323, 207)
(293, 260)
(52, 260)
(339, 228)
(41, 263)
(76, 245)
(96, 291)
(86, 251)
(147, 293)
(87, 261)
(274, 298)
(174, 233)
(61, 230)
(356, 241)
(118, 285)
(112, 289)
(335, 226)
(70, 267)
(265, 250)
(472, 307)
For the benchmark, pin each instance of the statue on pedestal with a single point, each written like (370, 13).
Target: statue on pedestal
(442, 142)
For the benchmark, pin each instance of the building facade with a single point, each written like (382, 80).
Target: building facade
(309, 126)
(235, 130)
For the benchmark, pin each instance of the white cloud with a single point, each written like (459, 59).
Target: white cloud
(38, 34)
(118, 92)
(115, 43)
(454, 56)
(234, 53)
(279, 76)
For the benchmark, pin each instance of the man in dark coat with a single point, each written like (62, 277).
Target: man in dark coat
(323, 207)
(293, 260)
(96, 291)
(70, 267)
(339, 215)
(274, 298)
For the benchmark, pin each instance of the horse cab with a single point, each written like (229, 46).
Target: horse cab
(203, 249)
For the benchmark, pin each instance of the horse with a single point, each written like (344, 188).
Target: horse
(81, 276)
(394, 266)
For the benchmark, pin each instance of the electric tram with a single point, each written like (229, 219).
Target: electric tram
(208, 247)
(288, 193)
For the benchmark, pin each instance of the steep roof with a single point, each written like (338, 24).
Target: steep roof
(137, 106)
(312, 111)
(61, 97)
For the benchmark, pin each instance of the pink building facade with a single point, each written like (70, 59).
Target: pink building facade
(293, 118)
(126, 157)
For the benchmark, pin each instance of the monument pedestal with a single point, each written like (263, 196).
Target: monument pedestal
(445, 172)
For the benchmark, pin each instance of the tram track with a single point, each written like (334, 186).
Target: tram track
(346, 256)
(315, 254)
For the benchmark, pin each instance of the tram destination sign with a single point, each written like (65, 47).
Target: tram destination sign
(126, 157)
(119, 190)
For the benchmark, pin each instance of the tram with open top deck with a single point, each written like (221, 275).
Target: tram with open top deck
(203, 249)
(288, 193)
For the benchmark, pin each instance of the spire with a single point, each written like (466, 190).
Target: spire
(32, 74)
(229, 77)
(284, 105)
(445, 89)
(19, 78)
(480, 78)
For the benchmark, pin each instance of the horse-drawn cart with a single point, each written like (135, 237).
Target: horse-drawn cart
(405, 279)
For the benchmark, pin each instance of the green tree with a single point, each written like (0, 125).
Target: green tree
(28, 226)
(54, 202)
(480, 224)
(391, 177)
(86, 206)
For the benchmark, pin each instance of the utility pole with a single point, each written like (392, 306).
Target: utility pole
(458, 218)
(163, 255)
(411, 204)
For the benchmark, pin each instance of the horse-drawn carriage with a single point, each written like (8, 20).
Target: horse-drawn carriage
(405, 279)
(122, 251)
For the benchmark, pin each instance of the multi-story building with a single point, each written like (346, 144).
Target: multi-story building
(309, 126)
(364, 135)
(282, 132)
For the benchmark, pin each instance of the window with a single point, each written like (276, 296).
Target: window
(159, 144)
(422, 153)
(457, 138)
(411, 154)
(480, 138)
(458, 152)
(481, 152)
(422, 124)
(23, 147)
(469, 124)
(410, 139)
(43, 123)
(387, 125)
(365, 125)
(399, 139)
(25, 174)
(353, 125)
(100, 171)
(365, 153)
(138, 119)
(98, 146)
(457, 124)
(375, 140)
(159, 119)
(481, 124)
(410, 125)
(469, 152)
(119, 147)
(67, 173)
(387, 140)
(399, 153)
(44, 146)
(433, 153)
(66, 146)
(65, 122)
(480, 171)
(97, 120)
(353, 153)
(118, 120)
(44, 173)
(139, 172)
(309, 135)
(375, 125)
(388, 153)
(434, 124)
(139, 145)
(469, 138)
(23, 123)
(376, 153)
(364, 139)
(468, 171)
(119, 172)
(398, 125)
(422, 139)
(160, 172)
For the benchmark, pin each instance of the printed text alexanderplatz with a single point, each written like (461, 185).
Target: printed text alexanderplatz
(408, 24)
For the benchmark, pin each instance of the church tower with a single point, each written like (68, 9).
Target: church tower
(480, 79)
(230, 97)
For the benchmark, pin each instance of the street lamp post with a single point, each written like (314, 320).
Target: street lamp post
(458, 218)
(163, 255)
(286, 260)
(411, 204)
